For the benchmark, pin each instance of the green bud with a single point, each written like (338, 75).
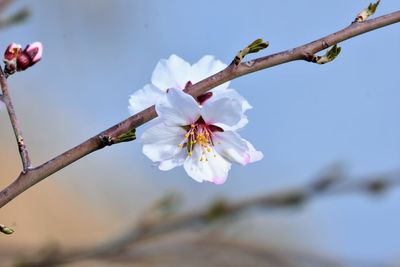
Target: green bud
(126, 137)
(367, 12)
(6, 230)
(254, 47)
(330, 55)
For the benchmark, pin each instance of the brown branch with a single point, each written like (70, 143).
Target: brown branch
(304, 52)
(332, 184)
(23, 151)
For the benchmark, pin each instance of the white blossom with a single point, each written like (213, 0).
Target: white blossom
(175, 72)
(199, 136)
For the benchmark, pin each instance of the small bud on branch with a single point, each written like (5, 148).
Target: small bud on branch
(6, 230)
(330, 55)
(254, 47)
(16, 59)
(367, 12)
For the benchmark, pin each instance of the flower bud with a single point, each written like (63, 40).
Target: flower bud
(17, 59)
(10, 57)
(34, 52)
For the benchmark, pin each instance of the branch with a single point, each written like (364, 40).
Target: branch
(113, 134)
(23, 152)
(333, 184)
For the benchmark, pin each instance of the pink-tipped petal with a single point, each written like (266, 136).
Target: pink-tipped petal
(234, 148)
(219, 181)
(34, 51)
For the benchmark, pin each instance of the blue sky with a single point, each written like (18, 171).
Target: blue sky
(306, 117)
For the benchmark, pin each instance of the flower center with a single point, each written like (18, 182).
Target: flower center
(200, 134)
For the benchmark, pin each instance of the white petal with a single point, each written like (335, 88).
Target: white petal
(177, 160)
(206, 67)
(232, 93)
(160, 142)
(235, 149)
(144, 98)
(171, 73)
(214, 169)
(178, 108)
(254, 154)
(223, 111)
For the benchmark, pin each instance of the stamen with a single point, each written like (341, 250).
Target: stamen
(202, 134)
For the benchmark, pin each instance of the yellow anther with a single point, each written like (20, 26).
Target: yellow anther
(190, 153)
(187, 135)
(180, 145)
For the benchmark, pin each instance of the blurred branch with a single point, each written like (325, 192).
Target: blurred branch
(111, 136)
(18, 17)
(4, 4)
(329, 185)
(6, 98)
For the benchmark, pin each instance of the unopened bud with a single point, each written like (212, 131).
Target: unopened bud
(17, 59)
(34, 51)
(10, 57)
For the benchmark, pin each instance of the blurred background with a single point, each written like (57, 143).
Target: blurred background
(308, 120)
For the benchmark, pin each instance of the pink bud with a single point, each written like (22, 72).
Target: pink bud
(23, 62)
(12, 51)
(17, 59)
(10, 57)
(34, 51)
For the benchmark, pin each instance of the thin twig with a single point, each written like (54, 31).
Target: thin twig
(331, 185)
(304, 52)
(23, 151)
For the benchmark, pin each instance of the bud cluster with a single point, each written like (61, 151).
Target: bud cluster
(16, 59)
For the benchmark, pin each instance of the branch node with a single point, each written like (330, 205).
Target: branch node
(106, 140)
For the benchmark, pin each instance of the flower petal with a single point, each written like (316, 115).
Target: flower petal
(178, 108)
(254, 154)
(214, 169)
(233, 94)
(235, 149)
(171, 73)
(160, 142)
(223, 111)
(206, 67)
(177, 160)
(144, 98)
